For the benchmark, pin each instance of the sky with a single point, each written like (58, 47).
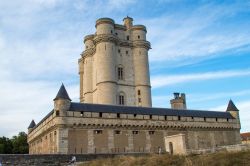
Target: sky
(200, 48)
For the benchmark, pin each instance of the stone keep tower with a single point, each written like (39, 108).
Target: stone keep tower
(114, 67)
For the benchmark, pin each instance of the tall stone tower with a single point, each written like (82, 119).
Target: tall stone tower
(114, 67)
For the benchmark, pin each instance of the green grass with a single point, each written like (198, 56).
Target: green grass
(215, 159)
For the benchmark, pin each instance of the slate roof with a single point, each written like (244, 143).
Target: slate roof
(231, 106)
(147, 111)
(32, 124)
(62, 94)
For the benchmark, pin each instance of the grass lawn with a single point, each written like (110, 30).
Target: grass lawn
(215, 159)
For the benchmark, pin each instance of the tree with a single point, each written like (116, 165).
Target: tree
(20, 145)
(5, 145)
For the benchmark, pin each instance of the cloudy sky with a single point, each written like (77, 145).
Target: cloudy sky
(201, 48)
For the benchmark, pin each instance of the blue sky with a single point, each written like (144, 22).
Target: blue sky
(201, 48)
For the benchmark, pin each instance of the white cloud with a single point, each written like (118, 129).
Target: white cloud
(166, 80)
(179, 36)
(23, 101)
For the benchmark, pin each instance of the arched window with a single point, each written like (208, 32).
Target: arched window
(120, 72)
(121, 98)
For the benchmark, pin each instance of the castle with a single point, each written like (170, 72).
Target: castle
(115, 113)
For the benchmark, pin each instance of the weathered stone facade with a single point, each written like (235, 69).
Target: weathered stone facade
(114, 63)
(82, 128)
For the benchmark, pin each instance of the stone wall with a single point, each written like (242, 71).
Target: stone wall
(52, 159)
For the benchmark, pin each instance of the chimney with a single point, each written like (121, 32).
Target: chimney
(179, 101)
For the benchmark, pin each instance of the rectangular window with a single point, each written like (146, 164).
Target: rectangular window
(165, 117)
(81, 113)
(179, 118)
(119, 51)
(139, 100)
(139, 37)
(134, 115)
(127, 37)
(121, 100)
(117, 132)
(135, 132)
(120, 73)
(100, 114)
(150, 116)
(151, 132)
(57, 113)
(118, 115)
(97, 131)
(139, 92)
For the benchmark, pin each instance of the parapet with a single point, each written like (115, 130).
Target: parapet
(104, 21)
(88, 37)
(139, 27)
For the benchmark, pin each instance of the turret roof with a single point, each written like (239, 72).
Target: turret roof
(231, 106)
(62, 94)
(32, 124)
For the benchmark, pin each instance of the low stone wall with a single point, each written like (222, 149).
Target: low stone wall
(229, 148)
(51, 159)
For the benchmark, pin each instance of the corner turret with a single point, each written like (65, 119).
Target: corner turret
(232, 109)
(61, 102)
(31, 126)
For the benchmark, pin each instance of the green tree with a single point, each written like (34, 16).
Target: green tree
(20, 145)
(5, 145)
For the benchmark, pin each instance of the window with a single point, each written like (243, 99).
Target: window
(139, 36)
(121, 99)
(54, 132)
(111, 31)
(150, 116)
(165, 117)
(127, 37)
(134, 115)
(139, 92)
(227, 119)
(117, 132)
(192, 118)
(120, 73)
(118, 115)
(216, 119)
(119, 51)
(139, 100)
(151, 132)
(135, 132)
(179, 118)
(205, 119)
(100, 114)
(116, 34)
(97, 131)
(127, 52)
(57, 113)
(81, 113)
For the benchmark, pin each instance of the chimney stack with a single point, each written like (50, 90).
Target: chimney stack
(179, 101)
